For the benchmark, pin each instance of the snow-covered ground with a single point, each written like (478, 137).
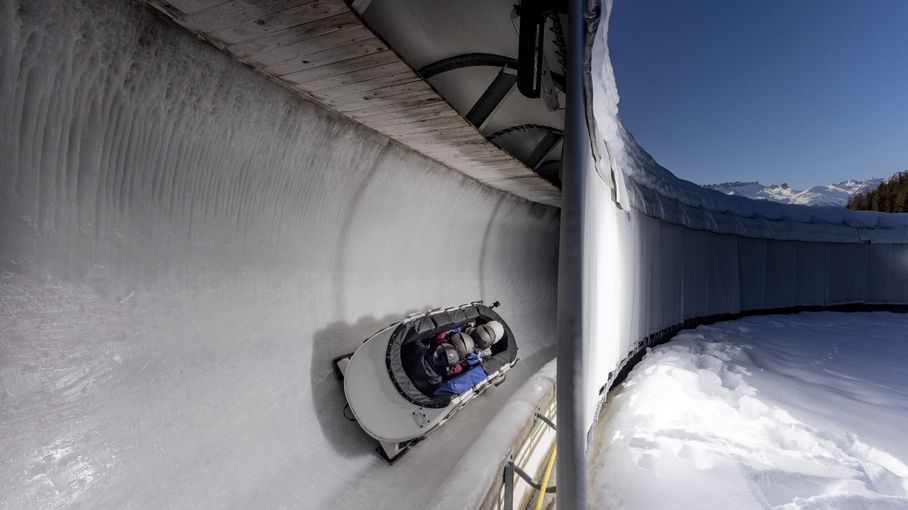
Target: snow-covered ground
(835, 194)
(806, 411)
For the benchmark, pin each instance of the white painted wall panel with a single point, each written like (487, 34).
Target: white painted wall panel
(847, 273)
(752, 272)
(812, 271)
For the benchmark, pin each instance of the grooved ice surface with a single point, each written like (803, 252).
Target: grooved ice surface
(802, 411)
(185, 246)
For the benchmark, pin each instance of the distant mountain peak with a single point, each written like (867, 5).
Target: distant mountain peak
(835, 194)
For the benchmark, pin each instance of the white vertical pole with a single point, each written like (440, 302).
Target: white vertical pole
(577, 164)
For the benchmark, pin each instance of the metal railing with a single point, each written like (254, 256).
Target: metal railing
(526, 460)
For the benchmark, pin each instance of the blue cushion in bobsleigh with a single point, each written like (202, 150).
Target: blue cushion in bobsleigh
(464, 382)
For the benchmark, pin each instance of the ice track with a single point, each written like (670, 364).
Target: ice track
(184, 247)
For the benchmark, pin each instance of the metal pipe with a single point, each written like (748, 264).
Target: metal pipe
(540, 496)
(545, 420)
(577, 157)
(509, 484)
(530, 481)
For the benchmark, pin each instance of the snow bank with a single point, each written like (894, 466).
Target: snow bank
(790, 412)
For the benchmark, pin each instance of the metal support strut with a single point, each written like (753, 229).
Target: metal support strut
(511, 469)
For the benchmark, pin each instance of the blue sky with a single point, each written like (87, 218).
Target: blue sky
(800, 91)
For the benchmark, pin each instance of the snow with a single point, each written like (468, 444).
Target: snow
(835, 194)
(787, 412)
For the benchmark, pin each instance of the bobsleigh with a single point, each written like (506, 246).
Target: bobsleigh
(380, 394)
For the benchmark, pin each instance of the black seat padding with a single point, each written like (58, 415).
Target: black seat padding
(402, 347)
(458, 316)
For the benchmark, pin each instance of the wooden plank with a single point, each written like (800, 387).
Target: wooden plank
(415, 127)
(489, 160)
(396, 72)
(467, 155)
(180, 8)
(437, 151)
(395, 112)
(399, 102)
(342, 67)
(365, 98)
(486, 148)
(285, 44)
(403, 100)
(434, 140)
(458, 160)
(453, 120)
(446, 133)
(344, 35)
(459, 132)
(436, 136)
(365, 113)
(415, 86)
(328, 92)
(233, 12)
(407, 121)
(500, 157)
(448, 125)
(363, 75)
(431, 138)
(266, 24)
(341, 98)
(431, 115)
(312, 59)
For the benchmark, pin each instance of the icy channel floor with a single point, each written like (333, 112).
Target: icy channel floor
(806, 411)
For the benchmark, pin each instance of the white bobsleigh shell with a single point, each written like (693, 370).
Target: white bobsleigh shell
(374, 400)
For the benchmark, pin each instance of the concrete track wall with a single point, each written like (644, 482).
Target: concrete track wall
(184, 247)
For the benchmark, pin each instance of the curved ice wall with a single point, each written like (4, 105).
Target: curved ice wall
(185, 246)
(667, 250)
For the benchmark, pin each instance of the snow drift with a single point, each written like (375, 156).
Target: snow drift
(789, 412)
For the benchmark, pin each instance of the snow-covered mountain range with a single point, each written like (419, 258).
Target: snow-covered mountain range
(835, 194)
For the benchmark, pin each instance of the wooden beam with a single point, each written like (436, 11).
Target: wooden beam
(260, 25)
(329, 70)
(312, 59)
(321, 49)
